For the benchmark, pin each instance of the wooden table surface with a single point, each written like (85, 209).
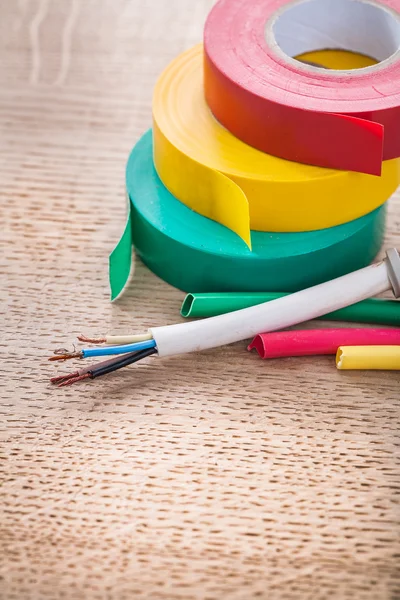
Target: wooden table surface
(209, 477)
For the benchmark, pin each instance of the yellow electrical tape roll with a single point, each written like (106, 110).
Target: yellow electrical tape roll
(220, 177)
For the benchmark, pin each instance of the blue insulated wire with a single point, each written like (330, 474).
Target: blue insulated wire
(114, 350)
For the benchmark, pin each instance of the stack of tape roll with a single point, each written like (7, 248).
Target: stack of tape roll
(274, 149)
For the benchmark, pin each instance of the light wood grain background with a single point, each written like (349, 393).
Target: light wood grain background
(209, 477)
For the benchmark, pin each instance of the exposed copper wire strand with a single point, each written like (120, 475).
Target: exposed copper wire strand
(107, 367)
(87, 340)
(62, 378)
(66, 356)
(84, 371)
(76, 380)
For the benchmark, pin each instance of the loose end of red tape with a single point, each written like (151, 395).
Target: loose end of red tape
(364, 149)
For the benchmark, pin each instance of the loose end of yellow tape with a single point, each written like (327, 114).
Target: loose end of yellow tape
(231, 208)
(201, 188)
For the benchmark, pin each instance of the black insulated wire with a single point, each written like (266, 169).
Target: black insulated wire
(127, 360)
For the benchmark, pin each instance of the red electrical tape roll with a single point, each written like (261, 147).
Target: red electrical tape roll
(338, 119)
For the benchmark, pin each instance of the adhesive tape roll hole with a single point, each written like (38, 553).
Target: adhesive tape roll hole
(354, 25)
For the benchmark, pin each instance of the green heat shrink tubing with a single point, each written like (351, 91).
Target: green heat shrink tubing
(375, 311)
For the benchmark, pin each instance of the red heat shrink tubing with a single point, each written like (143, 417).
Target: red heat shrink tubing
(320, 341)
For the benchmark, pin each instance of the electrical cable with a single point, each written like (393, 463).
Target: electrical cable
(114, 350)
(108, 367)
(320, 341)
(271, 316)
(106, 351)
(62, 380)
(123, 362)
(282, 313)
(116, 340)
(373, 311)
(364, 358)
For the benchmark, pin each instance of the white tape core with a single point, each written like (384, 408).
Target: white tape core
(360, 26)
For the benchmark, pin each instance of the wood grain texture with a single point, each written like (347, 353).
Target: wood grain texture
(209, 477)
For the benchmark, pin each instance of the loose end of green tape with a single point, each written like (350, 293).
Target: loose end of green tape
(120, 262)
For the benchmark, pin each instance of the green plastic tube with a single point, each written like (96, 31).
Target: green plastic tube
(374, 311)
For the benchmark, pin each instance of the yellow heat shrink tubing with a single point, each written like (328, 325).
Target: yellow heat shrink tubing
(220, 177)
(364, 358)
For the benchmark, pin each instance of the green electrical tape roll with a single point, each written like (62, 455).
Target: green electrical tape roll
(374, 311)
(196, 254)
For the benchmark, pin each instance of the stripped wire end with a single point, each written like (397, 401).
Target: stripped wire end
(62, 378)
(73, 380)
(64, 357)
(87, 340)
